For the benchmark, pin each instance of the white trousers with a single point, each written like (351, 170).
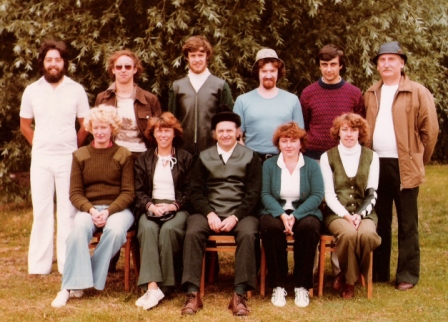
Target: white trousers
(48, 173)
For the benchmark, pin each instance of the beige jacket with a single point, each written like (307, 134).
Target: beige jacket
(415, 123)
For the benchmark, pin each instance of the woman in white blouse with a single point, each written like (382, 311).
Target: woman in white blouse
(291, 194)
(160, 206)
(350, 174)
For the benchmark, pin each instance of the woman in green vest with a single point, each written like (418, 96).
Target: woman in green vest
(350, 173)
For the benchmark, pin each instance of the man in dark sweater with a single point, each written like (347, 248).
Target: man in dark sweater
(326, 99)
(225, 189)
(322, 102)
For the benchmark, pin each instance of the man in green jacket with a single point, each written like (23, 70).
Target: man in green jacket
(225, 190)
(403, 121)
(195, 98)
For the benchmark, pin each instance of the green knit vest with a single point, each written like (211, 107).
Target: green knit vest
(350, 191)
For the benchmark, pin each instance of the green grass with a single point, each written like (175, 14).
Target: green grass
(25, 298)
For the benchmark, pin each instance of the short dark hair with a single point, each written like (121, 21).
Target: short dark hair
(50, 44)
(330, 51)
(166, 120)
(124, 52)
(275, 62)
(195, 43)
(290, 130)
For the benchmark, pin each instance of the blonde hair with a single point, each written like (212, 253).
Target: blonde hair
(103, 113)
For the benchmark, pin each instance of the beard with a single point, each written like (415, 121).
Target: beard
(269, 83)
(53, 78)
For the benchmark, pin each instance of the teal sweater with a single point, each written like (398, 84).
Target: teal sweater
(311, 189)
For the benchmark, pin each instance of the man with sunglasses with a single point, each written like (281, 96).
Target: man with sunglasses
(134, 104)
(195, 99)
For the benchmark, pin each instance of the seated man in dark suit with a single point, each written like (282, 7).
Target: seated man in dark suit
(225, 190)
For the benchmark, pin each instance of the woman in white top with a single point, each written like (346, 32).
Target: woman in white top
(291, 194)
(350, 174)
(160, 206)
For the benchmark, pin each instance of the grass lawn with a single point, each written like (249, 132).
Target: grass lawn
(25, 298)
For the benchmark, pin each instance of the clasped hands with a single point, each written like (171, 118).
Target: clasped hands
(161, 208)
(354, 219)
(288, 222)
(217, 225)
(99, 218)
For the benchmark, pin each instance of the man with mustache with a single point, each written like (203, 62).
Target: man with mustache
(54, 102)
(195, 98)
(403, 121)
(265, 108)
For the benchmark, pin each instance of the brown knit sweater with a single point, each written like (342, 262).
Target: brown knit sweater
(102, 177)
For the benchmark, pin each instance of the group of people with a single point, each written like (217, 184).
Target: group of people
(259, 171)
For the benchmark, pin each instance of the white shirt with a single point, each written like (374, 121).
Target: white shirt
(290, 187)
(129, 135)
(163, 185)
(384, 141)
(224, 154)
(197, 80)
(54, 112)
(350, 161)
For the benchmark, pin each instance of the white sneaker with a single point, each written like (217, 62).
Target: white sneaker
(76, 293)
(150, 299)
(302, 298)
(61, 299)
(278, 296)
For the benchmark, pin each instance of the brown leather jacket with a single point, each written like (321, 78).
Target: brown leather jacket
(146, 105)
(415, 123)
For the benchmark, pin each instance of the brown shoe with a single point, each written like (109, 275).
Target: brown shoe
(348, 292)
(193, 303)
(339, 282)
(403, 286)
(238, 305)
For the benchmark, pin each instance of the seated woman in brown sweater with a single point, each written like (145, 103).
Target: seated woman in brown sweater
(101, 188)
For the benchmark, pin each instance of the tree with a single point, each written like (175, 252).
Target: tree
(155, 30)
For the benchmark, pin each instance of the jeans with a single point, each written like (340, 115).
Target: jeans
(82, 271)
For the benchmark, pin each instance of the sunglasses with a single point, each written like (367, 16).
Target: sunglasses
(120, 67)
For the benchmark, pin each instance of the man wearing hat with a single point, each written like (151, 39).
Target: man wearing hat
(195, 98)
(225, 189)
(265, 108)
(403, 121)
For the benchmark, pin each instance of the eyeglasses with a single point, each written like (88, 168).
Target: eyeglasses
(120, 67)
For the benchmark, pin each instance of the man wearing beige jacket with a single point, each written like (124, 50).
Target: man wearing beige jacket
(404, 125)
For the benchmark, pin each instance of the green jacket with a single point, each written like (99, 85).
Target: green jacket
(311, 189)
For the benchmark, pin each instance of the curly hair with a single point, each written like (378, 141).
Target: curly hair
(103, 113)
(50, 44)
(195, 43)
(275, 62)
(290, 130)
(124, 52)
(354, 121)
(166, 120)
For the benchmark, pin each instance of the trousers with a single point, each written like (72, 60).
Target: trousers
(82, 271)
(49, 173)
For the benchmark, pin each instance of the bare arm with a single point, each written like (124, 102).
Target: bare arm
(26, 129)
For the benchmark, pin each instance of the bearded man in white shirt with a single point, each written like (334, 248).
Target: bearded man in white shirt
(54, 102)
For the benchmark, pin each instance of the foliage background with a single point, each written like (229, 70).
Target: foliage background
(237, 29)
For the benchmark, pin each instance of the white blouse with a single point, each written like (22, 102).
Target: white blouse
(290, 182)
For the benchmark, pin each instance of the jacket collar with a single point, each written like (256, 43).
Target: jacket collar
(139, 94)
(404, 86)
